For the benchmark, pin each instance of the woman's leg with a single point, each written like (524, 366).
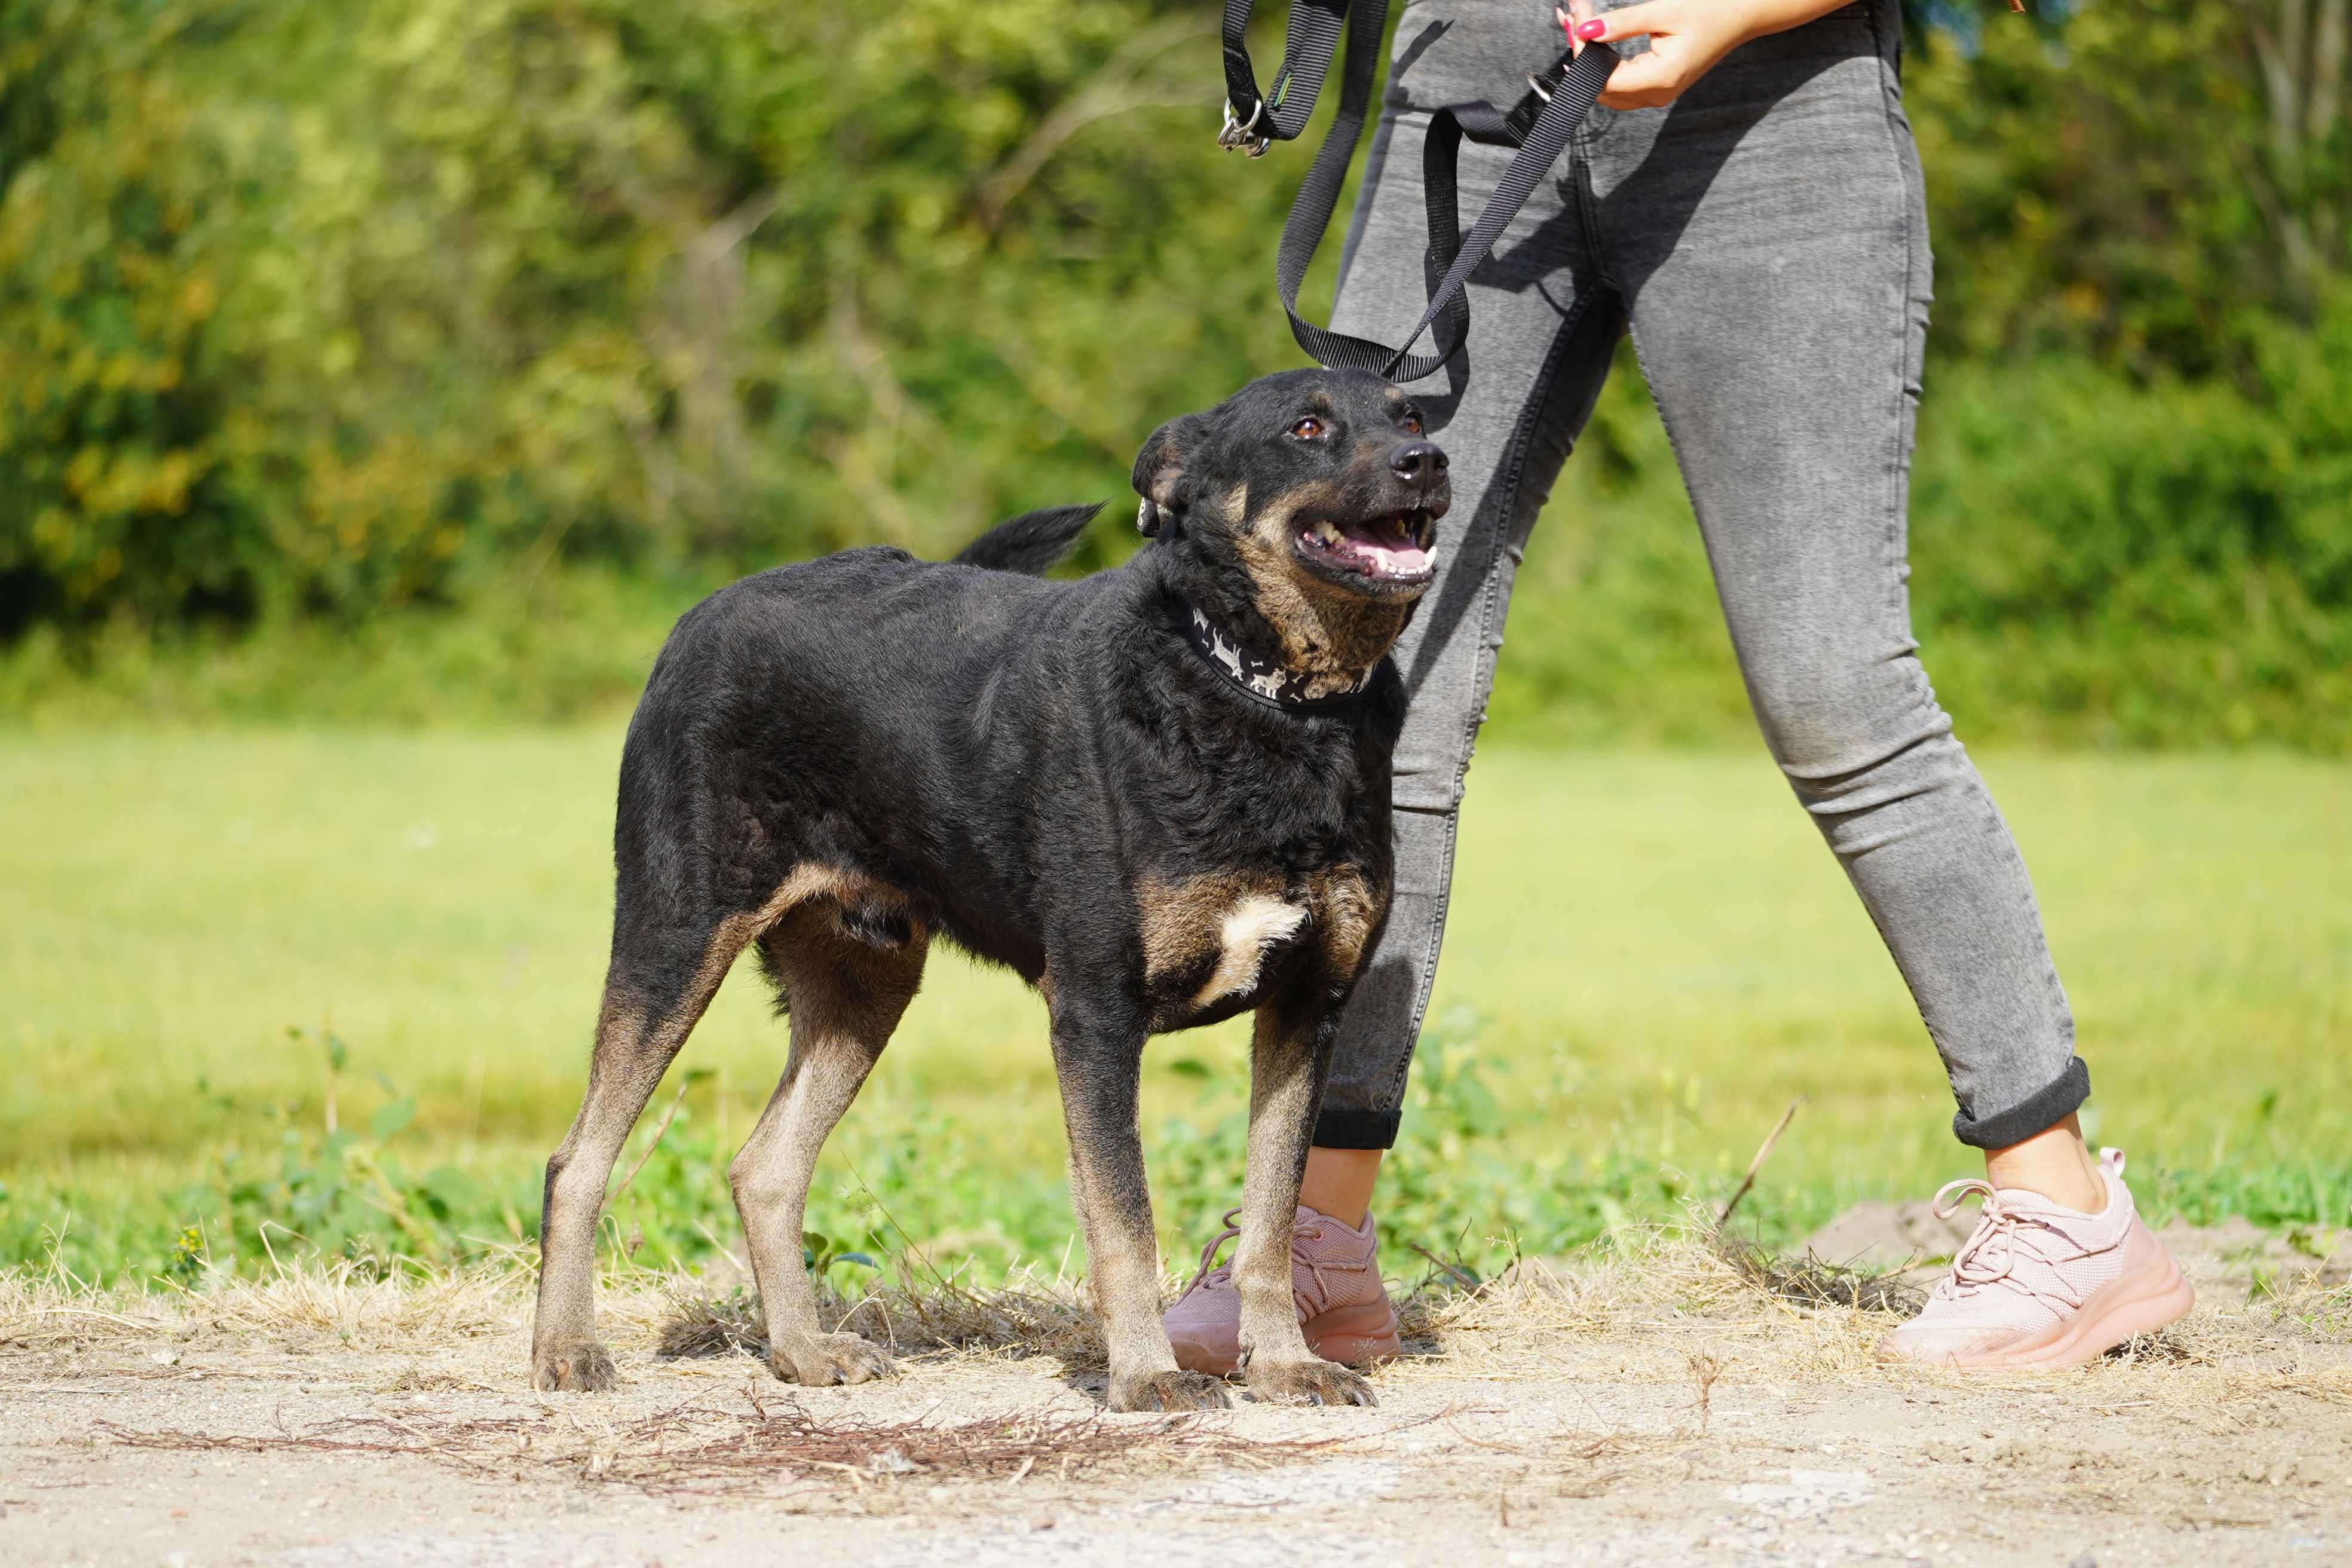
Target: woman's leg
(1505, 411)
(1768, 233)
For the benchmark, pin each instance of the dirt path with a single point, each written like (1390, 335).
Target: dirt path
(1657, 1413)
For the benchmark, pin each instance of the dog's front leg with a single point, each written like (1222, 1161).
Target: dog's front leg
(1099, 1057)
(1290, 1058)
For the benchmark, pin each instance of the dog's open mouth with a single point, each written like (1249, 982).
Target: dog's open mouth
(1398, 547)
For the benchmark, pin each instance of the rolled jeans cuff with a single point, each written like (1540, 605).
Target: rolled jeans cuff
(1338, 1127)
(2037, 1113)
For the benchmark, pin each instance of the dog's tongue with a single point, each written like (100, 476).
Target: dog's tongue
(1387, 550)
(1399, 561)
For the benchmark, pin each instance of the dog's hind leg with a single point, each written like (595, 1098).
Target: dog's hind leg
(846, 992)
(1290, 1058)
(660, 981)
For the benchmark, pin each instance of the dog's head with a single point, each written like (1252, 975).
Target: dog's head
(1308, 500)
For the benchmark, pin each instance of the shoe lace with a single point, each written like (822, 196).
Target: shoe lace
(2003, 1237)
(1212, 1274)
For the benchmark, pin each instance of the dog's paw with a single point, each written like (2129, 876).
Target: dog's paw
(1307, 1382)
(1168, 1390)
(819, 1361)
(575, 1366)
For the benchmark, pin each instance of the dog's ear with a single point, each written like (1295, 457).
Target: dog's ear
(1160, 477)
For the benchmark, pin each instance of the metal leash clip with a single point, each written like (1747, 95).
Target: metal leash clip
(1247, 137)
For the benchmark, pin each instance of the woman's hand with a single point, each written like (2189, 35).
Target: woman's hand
(1687, 38)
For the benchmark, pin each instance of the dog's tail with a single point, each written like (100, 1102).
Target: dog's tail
(1032, 542)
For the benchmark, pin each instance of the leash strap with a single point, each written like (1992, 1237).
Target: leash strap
(1539, 126)
(1307, 46)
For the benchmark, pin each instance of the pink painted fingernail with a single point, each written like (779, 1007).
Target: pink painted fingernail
(1591, 30)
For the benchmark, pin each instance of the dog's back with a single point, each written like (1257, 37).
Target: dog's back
(795, 667)
(868, 712)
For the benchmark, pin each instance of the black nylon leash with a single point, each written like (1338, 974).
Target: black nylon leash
(1538, 126)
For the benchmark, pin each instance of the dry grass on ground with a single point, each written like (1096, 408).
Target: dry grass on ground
(1666, 1403)
(1669, 1307)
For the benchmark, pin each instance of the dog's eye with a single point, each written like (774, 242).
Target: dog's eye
(1413, 422)
(1308, 428)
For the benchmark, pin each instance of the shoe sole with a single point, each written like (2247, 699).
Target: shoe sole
(1355, 1336)
(1352, 1336)
(2150, 1297)
(1203, 1359)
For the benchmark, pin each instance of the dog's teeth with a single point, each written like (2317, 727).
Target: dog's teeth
(1329, 534)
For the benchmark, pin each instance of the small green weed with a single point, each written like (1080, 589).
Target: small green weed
(921, 1200)
(2294, 1195)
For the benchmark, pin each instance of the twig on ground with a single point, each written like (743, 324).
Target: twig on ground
(1763, 1152)
(1467, 1280)
(699, 1448)
(654, 1143)
(1704, 1369)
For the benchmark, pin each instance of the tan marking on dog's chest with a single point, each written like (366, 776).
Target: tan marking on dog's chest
(1228, 919)
(1250, 930)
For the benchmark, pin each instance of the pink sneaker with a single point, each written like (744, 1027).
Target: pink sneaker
(2040, 1286)
(1335, 1279)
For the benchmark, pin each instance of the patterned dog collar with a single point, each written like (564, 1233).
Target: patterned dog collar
(1272, 684)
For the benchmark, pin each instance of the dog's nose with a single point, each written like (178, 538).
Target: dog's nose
(1419, 464)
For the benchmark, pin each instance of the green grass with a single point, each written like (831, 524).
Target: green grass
(1651, 955)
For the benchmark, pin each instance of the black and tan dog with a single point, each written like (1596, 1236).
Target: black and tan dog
(1159, 793)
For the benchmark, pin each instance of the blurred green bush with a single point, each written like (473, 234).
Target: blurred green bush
(310, 309)
(309, 314)
(2095, 559)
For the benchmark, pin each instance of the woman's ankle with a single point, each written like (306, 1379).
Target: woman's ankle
(1338, 1182)
(2055, 1164)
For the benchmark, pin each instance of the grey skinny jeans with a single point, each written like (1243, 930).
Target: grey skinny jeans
(1766, 240)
